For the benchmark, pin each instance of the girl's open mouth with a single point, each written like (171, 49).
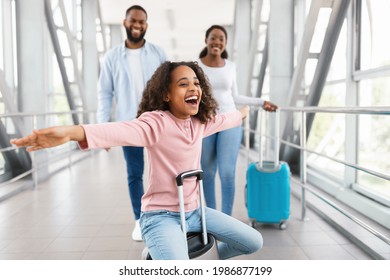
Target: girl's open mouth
(192, 100)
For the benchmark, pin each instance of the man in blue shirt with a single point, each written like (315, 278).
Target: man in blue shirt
(124, 73)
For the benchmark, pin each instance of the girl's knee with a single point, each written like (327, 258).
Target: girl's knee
(260, 241)
(256, 242)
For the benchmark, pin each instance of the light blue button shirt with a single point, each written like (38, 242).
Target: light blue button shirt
(115, 81)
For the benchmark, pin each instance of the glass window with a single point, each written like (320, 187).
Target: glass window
(1, 39)
(2, 164)
(374, 92)
(310, 69)
(2, 105)
(374, 152)
(320, 30)
(338, 67)
(327, 134)
(375, 46)
(374, 131)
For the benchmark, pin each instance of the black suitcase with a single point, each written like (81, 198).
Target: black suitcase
(201, 245)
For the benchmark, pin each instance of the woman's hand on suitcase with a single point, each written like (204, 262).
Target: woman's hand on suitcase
(270, 107)
(244, 111)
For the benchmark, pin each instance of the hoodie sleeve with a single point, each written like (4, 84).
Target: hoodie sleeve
(142, 132)
(223, 122)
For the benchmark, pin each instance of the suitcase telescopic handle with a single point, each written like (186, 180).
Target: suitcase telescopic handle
(180, 180)
(277, 139)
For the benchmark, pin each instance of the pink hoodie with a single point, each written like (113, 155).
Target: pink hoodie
(174, 146)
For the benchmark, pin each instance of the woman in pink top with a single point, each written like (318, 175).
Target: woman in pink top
(177, 111)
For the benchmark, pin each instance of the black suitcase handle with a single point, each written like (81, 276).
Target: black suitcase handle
(180, 180)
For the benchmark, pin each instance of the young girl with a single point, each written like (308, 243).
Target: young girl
(176, 112)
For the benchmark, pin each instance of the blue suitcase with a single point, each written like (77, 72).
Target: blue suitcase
(268, 186)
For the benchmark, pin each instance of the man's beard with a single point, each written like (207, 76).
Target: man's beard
(134, 39)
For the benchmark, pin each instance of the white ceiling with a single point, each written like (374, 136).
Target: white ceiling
(178, 26)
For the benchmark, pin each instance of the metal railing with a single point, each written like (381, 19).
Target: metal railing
(303, 111)
(35, 166)
(302, 147)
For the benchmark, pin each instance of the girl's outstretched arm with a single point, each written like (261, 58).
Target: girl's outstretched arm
(50, 137)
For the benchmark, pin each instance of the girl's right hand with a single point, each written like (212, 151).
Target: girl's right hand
(50, 137)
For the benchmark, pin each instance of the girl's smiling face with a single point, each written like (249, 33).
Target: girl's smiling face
(184, 93)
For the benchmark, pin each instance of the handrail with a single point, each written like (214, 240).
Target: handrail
(344, 212)
(347, 110)
(11, 148)
(383, 110)
(34, 169)
(356, 166)
(302, 147)
(20, 114)
(56, 158)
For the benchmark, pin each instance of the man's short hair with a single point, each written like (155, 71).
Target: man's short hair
(136, 7)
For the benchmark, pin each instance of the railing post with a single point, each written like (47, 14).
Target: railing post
(303, 173)
(34, 164)
(247, 136)
(69, 155)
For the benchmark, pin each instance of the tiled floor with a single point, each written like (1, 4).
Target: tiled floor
(84, 212)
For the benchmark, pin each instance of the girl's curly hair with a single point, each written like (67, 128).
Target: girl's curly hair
(157, 89)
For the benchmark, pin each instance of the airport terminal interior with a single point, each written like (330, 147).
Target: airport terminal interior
(326, 64)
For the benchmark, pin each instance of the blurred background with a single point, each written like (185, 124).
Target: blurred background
(178, 26)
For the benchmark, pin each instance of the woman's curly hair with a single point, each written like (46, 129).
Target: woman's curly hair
(157, 89)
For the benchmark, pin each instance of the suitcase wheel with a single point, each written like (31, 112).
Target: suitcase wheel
(283, 225)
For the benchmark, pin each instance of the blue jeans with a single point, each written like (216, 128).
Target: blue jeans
(220, 151)
(162, 234)
(134, 157)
